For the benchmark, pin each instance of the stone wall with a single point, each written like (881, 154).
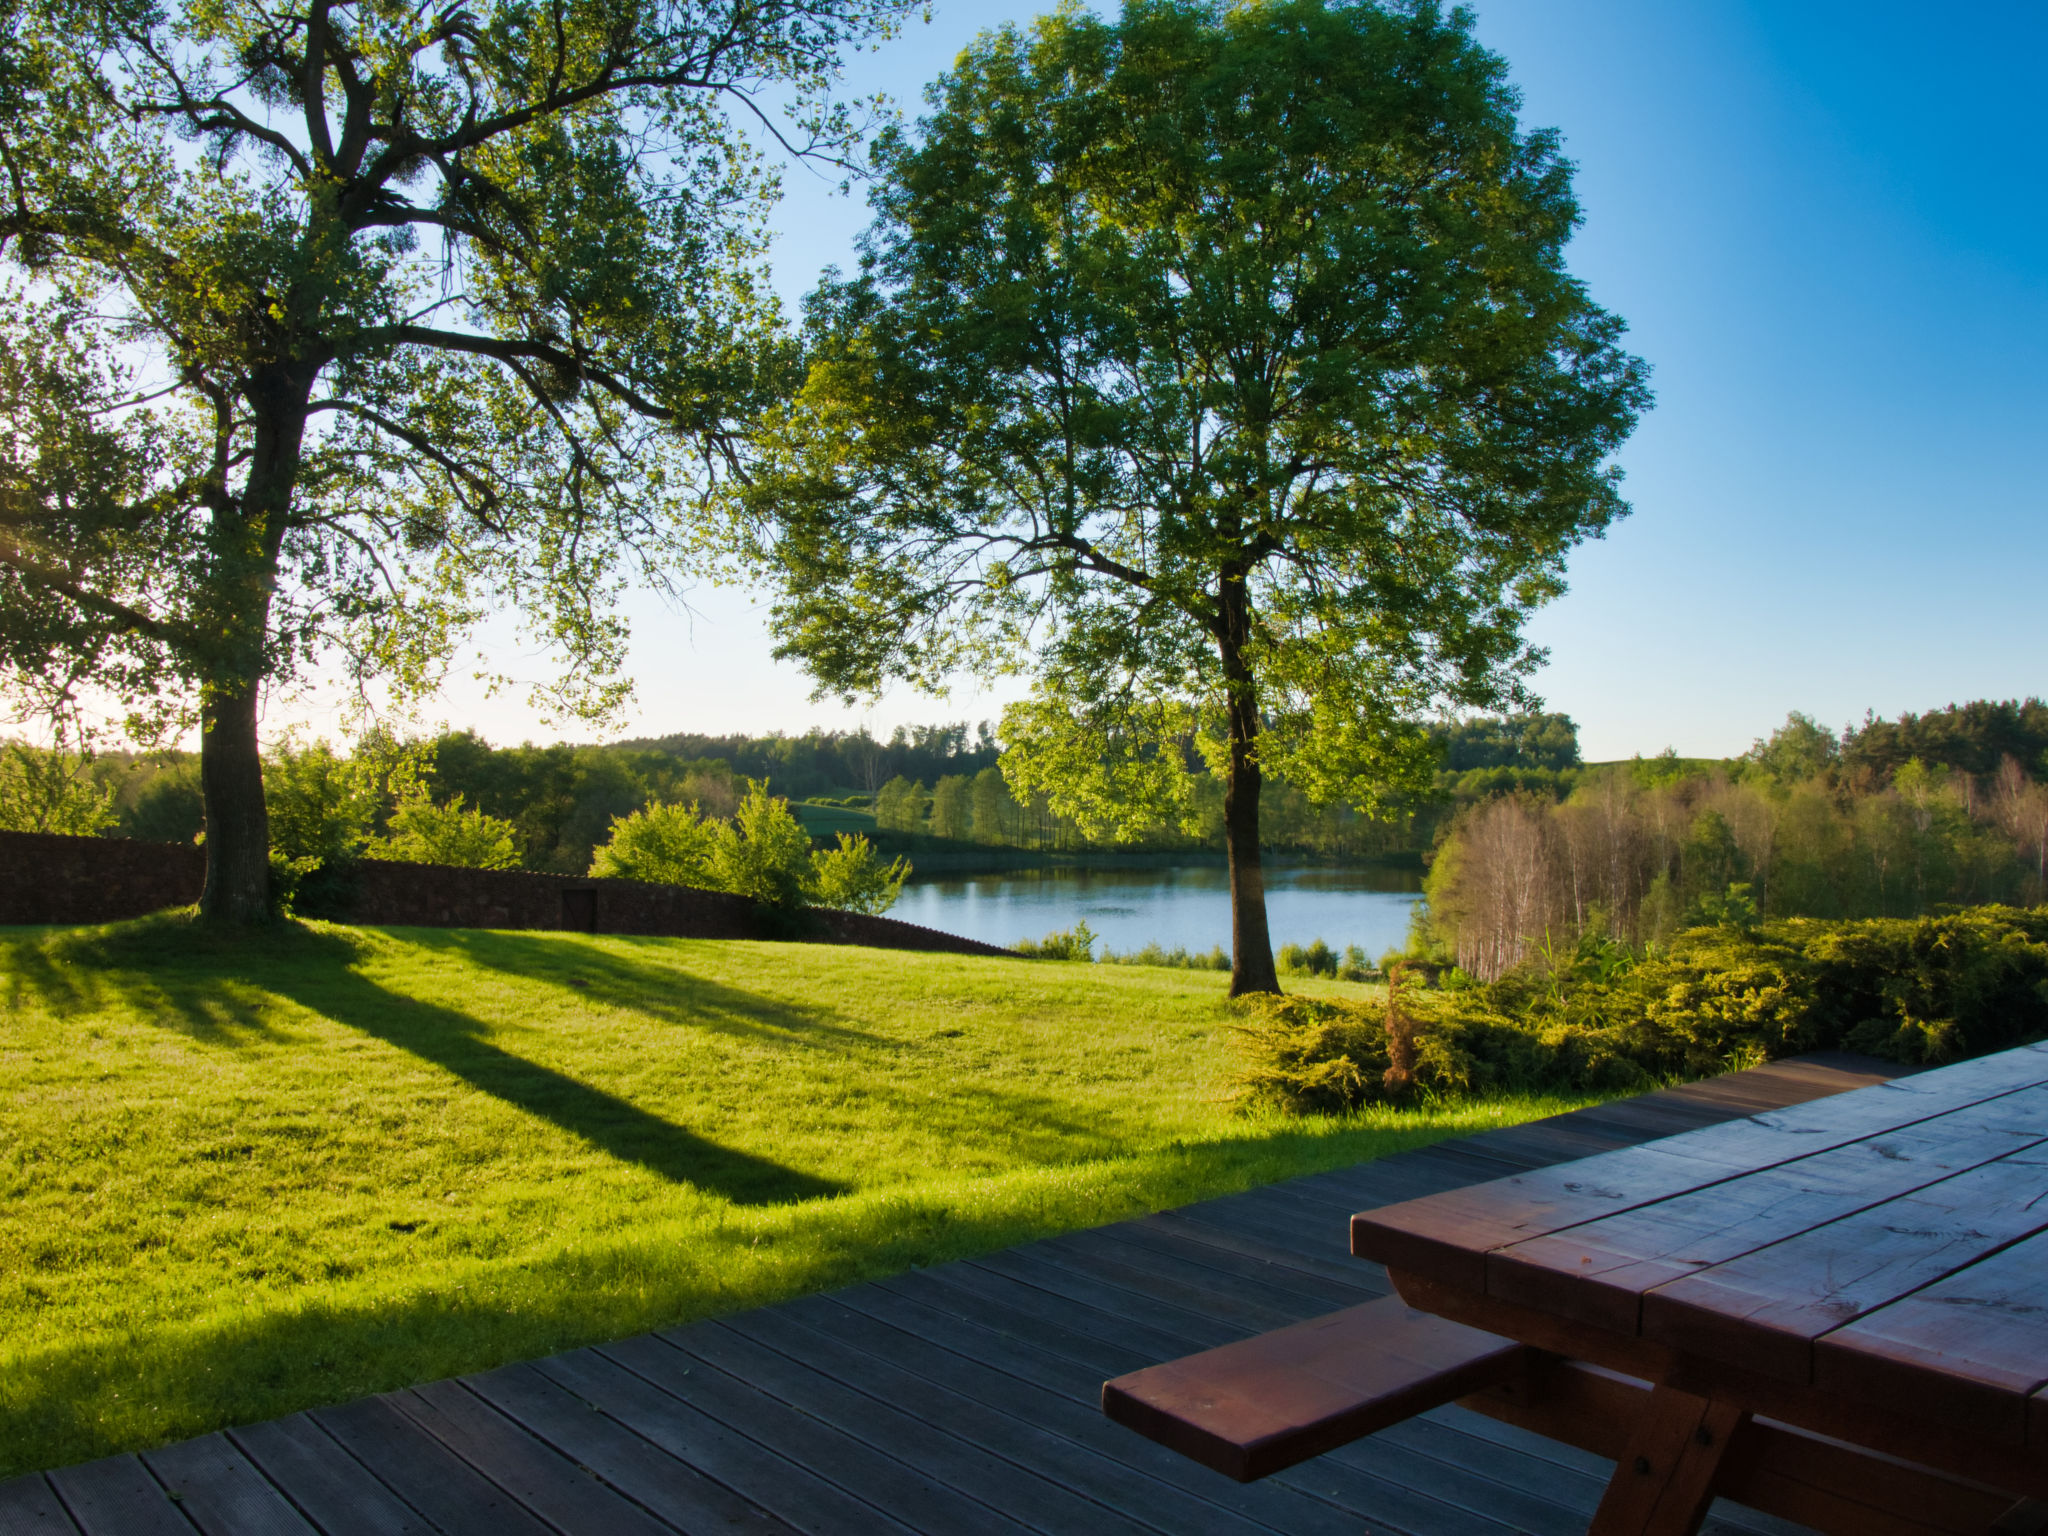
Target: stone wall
(101, 880)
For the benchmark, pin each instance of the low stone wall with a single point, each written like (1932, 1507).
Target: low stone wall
(47, 879)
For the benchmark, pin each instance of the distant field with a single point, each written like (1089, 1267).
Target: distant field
(242, 1178)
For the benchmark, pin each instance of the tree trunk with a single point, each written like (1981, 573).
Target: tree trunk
(246, 543)
(1251, 942)
(237, 887)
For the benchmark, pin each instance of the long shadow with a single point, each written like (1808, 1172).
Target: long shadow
(453, 1041)
(665, 992)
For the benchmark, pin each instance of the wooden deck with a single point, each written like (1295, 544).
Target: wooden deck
(951, 1400)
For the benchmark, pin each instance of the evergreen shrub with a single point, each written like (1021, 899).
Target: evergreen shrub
(1596, 1018)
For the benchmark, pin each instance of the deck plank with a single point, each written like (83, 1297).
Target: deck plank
(961, 1397)
(116, 1496)
(221, 1491)
(29, 1506)
(337, 1492)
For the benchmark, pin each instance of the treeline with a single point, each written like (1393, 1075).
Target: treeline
(1807, 824)
(827, 764)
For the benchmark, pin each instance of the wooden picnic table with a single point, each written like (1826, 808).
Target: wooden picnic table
(1836, 1312)
(1872, 1268)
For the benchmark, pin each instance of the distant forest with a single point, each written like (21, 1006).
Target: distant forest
(940, 788)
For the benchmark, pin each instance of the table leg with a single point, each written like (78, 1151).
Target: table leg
(1665, 1479)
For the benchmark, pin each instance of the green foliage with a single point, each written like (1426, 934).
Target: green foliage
(322, 805)
(51, 790)
(1316, 959)
(1598, 1018)
(350, 458)
(1097, 406)
(661, 845)
(1075, 943)
(1531, 742)
(422, 831)
(853, 877)
(1969, 738)
(1177, 958)
(900, 806)
(762, 852)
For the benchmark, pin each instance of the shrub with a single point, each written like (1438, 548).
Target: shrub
(1318, 959)
(1179, 957)
(661, 845)
(763, 852)
(1076, 943)
(853, 877)
(321, 804)
(1599, 1017)
(421, 832)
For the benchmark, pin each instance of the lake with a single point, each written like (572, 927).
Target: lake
(1187, 906)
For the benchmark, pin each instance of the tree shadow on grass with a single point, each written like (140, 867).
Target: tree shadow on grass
(183, 977)
(455, 1042)
(665, 992)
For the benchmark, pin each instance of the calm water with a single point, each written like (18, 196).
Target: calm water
(1190, 907)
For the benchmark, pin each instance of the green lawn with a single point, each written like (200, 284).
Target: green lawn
(245, 1177)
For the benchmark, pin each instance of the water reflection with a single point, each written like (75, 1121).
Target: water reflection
(1187, 905)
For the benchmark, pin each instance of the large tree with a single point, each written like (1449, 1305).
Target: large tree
(1219, 365)
(339, 322)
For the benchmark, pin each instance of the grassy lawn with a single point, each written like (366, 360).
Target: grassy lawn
(247, 1177)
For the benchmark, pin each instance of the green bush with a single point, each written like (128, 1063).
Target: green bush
(763, 852)
(1601, 1018)
(1318, 959)
(1177, 958)
(1076, 943)
(422, 832)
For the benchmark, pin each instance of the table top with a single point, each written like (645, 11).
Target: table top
(1889, 1245)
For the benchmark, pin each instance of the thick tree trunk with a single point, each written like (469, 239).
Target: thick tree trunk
(1251, 943)
(246, 543)
(237, 889)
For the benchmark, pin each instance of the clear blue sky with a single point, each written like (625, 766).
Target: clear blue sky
(1827, 226)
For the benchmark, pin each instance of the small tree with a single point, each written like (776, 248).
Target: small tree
(322, 805)
(350, 321)
(952, 807)
(660, 844)
(51, 790)
(899, 807)
(1219, 364)
(423, 832)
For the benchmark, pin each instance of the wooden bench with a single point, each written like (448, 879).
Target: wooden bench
(1251, 1408)
(1267, 1403)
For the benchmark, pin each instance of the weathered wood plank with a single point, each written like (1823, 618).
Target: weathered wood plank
(1969, 1351)
(1763, 1310)
(1250, 1408)
(907, 1496)
(337, 1493)
(221, 1492)
(116, 1496)
(786, 1489)
(1598, 1272)
(1447, 1237)
(1001, 1417)
(29, 1506)
(538, 1476)
(1010, 1497)
(459, 1500)
(673, 1490)
(1060, 1394)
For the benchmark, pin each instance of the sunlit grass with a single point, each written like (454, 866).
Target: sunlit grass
(244, 1177)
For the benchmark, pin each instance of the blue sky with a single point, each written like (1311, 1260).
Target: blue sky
(1827, 226)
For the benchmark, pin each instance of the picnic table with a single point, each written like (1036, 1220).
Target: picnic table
(1837, 1313)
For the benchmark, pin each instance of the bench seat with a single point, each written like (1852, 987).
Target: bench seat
(1252, 1408)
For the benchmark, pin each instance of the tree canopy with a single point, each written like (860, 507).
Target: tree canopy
(1219, 366)
(335, 325)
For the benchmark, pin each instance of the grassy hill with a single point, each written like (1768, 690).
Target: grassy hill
(246, 1177)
